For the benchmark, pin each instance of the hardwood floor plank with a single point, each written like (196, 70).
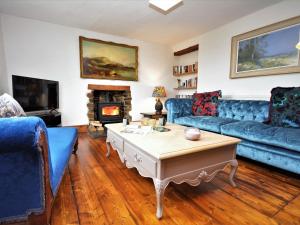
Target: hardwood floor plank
(260, 193)
(285, 218)
(89, 209)
(109, 197)
(106, 192)
(284, 176)
(249, 198)
(64, 209)
(276, 183)
(290, 214)
(267, 184)
(222, 206)
(182, 212)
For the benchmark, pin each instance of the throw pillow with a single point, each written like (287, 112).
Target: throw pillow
(205, 104)
(285, 107)
(9, 107)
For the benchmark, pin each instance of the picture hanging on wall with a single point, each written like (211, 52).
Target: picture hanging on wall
(268, 50)
(108, 60)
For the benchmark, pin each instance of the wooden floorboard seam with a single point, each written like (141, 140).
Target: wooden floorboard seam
(282, 208)
(73, 195)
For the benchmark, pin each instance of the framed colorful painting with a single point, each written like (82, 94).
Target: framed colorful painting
(269, 50)
(108, 60)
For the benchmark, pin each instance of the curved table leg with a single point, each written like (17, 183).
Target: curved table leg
(160, 187)
(107, 148)
(234, 165)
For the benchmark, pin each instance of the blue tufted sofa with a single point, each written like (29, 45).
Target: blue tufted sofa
(245, 119)
(33, 159)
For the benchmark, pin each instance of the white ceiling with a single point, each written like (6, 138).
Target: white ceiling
(134, 18)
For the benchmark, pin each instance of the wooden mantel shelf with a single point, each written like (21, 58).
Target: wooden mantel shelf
(108, 87)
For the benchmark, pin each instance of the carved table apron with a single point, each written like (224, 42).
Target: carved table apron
(191, 167)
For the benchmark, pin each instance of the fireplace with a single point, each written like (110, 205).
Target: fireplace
(107, 104)
(108, 112)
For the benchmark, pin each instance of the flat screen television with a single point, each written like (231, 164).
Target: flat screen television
(35, 94)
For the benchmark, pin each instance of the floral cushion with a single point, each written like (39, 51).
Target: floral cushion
(285, 107)
(9, 107)
(205, 104)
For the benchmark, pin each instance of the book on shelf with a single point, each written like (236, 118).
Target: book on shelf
(185, 69)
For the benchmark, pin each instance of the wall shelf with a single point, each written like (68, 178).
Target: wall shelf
(187, 50)
(185, 88)
(184, 74)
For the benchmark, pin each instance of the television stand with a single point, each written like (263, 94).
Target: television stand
(51, 119)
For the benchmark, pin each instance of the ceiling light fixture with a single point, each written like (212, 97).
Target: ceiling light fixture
(165, 5)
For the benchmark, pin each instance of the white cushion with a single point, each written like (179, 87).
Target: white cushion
(9, 107)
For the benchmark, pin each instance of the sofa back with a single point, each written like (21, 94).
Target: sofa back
(244, 109)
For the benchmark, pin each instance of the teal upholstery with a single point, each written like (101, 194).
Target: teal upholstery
(275, 156)
(288, 138)
(247, 120)
(244, 110)
(209, 123)
(178, 107)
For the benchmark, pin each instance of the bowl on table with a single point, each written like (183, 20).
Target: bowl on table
(192, 133)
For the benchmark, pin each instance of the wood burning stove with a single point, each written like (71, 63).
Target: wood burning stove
(110, 112)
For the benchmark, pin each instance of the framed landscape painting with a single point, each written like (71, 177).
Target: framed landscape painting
(267, 51)
(108, 60)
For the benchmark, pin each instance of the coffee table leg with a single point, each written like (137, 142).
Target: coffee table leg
(234, 165)
(160, 187)
(107, 148)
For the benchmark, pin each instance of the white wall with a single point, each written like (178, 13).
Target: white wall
(44, 50)
(3, 75)
(214, 55)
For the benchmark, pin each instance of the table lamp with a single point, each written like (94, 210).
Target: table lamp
(159, 92)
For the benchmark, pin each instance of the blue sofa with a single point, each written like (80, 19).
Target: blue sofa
(33, 159)
(247, 120)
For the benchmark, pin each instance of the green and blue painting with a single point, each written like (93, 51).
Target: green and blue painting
(270, 50)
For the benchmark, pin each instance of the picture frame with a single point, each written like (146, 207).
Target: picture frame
(270, 50)
(107, 60)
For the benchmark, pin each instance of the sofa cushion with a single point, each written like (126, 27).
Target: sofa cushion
(266, 134)
(9, 107)
(205, 104)
(285, 107)
(209, 123)
(244, 109)
(61, 142)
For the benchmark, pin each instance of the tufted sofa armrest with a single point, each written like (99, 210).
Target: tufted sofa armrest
(25, 190)
(178, 107)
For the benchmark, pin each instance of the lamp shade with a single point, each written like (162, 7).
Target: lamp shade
(298, 45)
(159, 91)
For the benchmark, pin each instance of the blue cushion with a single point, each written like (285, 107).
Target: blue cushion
(266, 134)
(209, 123)
(271, 155)
(244, 109)
(61, 143)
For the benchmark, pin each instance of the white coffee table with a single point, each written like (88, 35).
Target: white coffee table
(168, 157)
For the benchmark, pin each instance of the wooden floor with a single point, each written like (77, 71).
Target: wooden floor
(96, 190)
